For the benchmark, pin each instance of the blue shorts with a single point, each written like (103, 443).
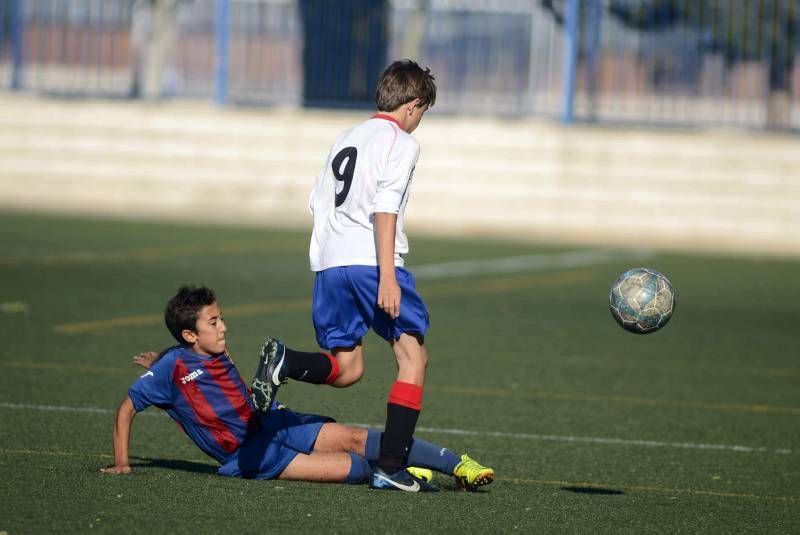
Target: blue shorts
(266, 453)
(345, 307)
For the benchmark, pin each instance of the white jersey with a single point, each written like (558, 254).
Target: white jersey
(368, 170)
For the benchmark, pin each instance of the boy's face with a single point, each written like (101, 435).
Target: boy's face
(208, 338)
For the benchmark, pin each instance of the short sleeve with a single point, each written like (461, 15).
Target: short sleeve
(155, 386)
(393, 183)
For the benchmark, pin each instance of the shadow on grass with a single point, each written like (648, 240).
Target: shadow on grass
(175, 464)
(592, 490)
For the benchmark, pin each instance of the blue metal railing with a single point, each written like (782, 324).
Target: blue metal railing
(685, 62)
(66, 47)
(223, 21)
(11, 29)
(571, 47)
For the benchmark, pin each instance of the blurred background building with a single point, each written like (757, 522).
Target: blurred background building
(654, 62)
(644, 123)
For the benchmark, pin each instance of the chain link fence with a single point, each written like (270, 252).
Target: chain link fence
(730, 63)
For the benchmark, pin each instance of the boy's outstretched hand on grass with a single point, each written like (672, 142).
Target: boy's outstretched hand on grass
(146, 359)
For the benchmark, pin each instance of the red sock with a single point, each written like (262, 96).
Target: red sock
(334, 369)
(407, 395)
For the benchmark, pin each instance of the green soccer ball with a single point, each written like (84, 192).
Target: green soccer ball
(642, 300)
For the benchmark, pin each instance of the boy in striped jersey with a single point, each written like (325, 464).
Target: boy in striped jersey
(197, 384)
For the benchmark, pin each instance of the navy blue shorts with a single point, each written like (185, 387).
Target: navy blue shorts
(266, 453)
(345, 307)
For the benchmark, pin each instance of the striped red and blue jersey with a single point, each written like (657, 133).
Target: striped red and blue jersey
(206, 396)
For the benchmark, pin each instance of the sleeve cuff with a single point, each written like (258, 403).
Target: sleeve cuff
(137, 404)
(388, 202)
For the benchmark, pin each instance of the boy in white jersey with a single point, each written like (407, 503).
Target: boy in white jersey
(357, 249)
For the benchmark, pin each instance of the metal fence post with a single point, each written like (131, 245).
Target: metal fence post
(222, 26)
(571, 15)
(16, 44)
(591, 47)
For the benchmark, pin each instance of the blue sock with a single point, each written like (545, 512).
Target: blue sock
(421, 453)
(373, 448)
(359, 470)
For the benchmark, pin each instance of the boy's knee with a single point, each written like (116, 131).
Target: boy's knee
(358, 440)
(343, 381)
(351, 366)
(349, 373)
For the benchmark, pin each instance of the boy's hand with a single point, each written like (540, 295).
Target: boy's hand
(146, 359)
(389, 294)
(116, 470)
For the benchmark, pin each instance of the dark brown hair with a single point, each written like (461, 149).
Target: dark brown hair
(182, 310)
(402, 82)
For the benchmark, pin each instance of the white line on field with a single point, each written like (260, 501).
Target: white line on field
(516, 264)
(495, 266)
(601, 440)
(59, 408)
(466, 432)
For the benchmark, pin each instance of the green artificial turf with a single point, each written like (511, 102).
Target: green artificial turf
(695, 428)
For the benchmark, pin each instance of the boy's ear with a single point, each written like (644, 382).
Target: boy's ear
(190, 337)
(412, 105)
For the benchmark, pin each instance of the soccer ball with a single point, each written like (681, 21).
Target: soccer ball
(642, 300)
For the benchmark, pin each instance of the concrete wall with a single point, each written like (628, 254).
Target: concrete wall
(528, 179)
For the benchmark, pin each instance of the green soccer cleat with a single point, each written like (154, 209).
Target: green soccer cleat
(470, 474)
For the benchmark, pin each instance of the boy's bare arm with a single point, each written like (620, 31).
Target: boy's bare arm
(388, 289)
(122, 434)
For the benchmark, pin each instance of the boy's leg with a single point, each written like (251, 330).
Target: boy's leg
(278, 363)
(406, 336)
(339, 467)
(314, 367)
(337, 313)
(405, 402)
(469, 473)
(335, 437)
(412, 358)
(326, 467)
(350, 366)
(421, 453)
(338, 324)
